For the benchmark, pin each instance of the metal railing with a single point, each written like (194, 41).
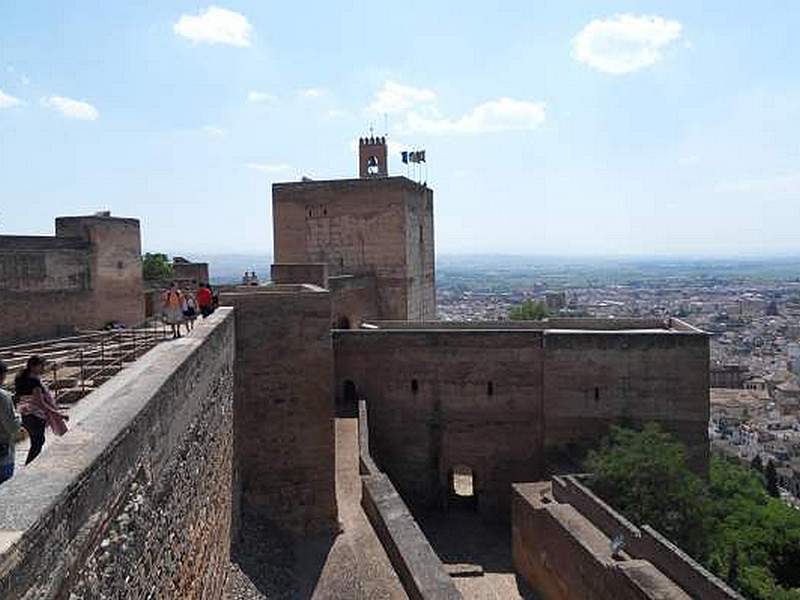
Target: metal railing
(77, 364)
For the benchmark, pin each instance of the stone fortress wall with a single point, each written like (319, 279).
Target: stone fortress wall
(561, 543)
(135, 501)
(87, 275)
(515, 404)
(283, 423)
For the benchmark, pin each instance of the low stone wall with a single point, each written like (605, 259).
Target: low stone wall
(563, 556)
(366, 466)
(135, 500)
(420, 571)
(297, 273)
(644, 543)
(416, 564)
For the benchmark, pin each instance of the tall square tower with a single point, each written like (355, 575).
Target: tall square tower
(379, 226)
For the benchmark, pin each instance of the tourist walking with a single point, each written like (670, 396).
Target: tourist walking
(37, 406)
(10, 425)
(205, 300)
(189, 312)
(173, 309)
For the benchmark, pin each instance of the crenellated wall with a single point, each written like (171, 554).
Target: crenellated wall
(135, 500)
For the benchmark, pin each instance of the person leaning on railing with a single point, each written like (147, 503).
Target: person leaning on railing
(10, 425)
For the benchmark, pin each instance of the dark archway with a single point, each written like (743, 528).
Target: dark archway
(342, 323)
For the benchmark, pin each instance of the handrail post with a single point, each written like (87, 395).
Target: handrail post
(83, 374)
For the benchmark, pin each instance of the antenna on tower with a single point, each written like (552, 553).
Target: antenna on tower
(386, 124)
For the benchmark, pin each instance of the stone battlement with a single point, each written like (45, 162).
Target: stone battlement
(135, 500)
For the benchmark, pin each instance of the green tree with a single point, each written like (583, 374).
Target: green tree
(729, 522)
(156, 267)
(771, 475)
(529, 311)
(645, 475)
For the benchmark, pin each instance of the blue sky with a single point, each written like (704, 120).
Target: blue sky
(550, 127)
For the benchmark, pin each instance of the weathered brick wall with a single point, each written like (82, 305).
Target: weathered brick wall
(313, 273)
(354, 299)
(594, 379)
(361, 226)
(34, 315)
(420, 254)
(284, 411)
(135, 501)
(115, 266)
(42, 263)
(513, 404)
(87, 276)
(644, 543)
(190, 273)
(430, 408)
(562, 556)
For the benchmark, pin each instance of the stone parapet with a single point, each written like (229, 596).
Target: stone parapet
(135, 500)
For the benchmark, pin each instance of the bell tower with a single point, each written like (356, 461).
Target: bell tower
(372, 157)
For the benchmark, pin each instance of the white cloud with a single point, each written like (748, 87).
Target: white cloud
(268, 167)
(624, 43)
(215, 131)
(313, 92)
(261, 97)
(503, 114)
(215, 25)
(7, 101)
(418, 112)
(395, 97)
(337, 113)
(74, 109)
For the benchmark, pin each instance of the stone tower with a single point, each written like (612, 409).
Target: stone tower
(372, 157)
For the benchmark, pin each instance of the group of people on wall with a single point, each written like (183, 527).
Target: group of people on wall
(31, 407)
(181, 308)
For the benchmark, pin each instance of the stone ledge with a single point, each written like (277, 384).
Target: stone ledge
(420, 571)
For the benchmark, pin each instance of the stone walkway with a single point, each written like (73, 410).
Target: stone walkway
(476, 555)
(352, 565)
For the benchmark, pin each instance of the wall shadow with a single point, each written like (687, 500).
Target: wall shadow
(275, 563)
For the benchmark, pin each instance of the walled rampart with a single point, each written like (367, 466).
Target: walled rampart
(420, 571)
(562, 555)
(644, 543)
(86, 276)
(135, 500)
(514, 404)
(284, 417)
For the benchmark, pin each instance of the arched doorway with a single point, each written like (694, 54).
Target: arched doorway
(342, 323)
